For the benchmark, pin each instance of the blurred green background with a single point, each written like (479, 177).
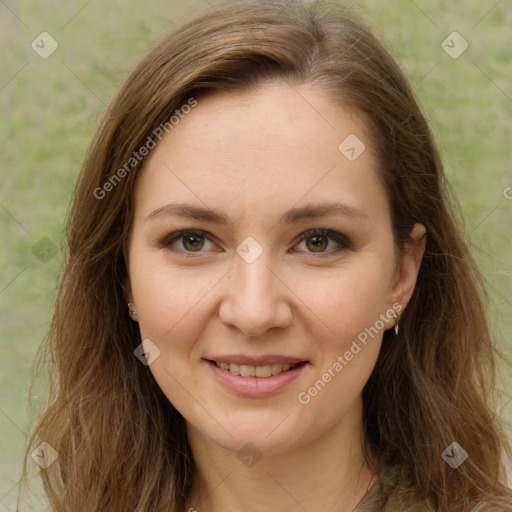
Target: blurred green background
(51, 106)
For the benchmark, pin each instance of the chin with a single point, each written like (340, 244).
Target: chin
(265, 434)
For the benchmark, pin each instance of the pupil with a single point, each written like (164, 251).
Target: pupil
(193, 241)
(318, 242)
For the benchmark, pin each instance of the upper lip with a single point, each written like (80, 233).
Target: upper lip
(262, 360)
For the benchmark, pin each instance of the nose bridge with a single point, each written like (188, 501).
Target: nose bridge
(256, 299)
(254, 280)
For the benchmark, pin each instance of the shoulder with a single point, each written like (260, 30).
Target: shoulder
(392, 494)
(387, 495)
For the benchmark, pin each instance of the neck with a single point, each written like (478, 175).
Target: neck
(328, 474)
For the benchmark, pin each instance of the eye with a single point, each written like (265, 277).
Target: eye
(190, 240)
(318, 241)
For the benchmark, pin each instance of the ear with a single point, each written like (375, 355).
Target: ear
(127, 288)
(409, 266)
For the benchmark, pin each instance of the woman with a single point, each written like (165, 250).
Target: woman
(268, 303)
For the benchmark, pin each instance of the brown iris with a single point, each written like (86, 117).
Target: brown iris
(193, 242)
(317, 242)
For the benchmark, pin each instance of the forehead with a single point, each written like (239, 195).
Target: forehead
(277, 145)
(270, 118)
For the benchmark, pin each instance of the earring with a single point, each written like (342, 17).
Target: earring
(396, 324)
(133, 312)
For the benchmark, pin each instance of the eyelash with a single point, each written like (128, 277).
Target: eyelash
(342, 240)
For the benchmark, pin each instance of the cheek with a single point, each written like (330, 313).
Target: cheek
(347, 300)
(169, 298)
(173, 312)
(350, 306)
(349, 303)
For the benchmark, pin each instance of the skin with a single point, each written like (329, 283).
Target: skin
(254, 156)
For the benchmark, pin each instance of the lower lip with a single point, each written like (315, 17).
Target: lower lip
(257, 387)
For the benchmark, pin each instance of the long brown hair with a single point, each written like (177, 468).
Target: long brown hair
(121, 445)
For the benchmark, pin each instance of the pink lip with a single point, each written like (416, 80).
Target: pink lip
(256, 387)
(255, 360)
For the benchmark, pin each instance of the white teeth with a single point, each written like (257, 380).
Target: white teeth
(234, 368)
(276, 368)
(246, 370)
(263, 371)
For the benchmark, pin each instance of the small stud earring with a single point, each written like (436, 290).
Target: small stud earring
(133, 312)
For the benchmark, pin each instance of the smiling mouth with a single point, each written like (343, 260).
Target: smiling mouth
(245, 370)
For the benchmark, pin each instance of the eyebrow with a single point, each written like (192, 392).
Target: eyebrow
(200, 213)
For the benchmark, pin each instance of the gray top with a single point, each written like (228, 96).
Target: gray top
(397, 499)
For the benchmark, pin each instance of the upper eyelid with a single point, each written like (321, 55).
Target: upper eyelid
(176, 235)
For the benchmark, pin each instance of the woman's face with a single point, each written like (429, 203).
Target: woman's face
(290, 262)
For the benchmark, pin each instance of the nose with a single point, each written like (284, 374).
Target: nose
(256, 299)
